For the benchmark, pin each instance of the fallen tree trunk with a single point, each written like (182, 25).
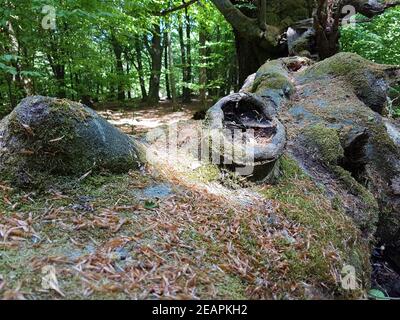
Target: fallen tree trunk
(338, 133)
(335, 130)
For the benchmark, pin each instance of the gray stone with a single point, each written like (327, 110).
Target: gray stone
(46, 136)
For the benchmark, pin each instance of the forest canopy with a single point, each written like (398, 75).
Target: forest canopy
(145, 50)
(111, 50)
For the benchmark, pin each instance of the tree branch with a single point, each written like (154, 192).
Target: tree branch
(262, 14)
(268, 36)
(177, 8)
(371, 8)
(239, 21)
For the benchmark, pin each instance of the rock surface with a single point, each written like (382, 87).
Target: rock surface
(338, 133)
(46, 136)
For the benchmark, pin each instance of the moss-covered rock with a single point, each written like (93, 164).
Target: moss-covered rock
(337, 133)
(326, 141)
(329, 228)
(368, 80)
(272, 83)
(46, 136)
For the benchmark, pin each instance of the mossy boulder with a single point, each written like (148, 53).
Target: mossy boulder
(273, 84)
(45, 137)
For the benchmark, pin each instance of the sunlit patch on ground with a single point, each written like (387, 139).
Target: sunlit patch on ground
(142, 119)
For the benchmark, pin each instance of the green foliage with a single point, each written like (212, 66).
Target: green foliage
(378, 40)
(79, 58)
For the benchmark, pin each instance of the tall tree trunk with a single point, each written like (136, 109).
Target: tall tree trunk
(128, 73)
(117, 48)
(187, 93)
(326, 25)
(171, 69)
(166, 65)
(236, 75)
(23, 84)
(139, 68)
(156, 51)
(59, 75)
(11, 96)
(255, 40)
(203, 68)
(183, 58)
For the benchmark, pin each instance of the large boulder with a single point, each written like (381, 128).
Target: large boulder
(46, 136)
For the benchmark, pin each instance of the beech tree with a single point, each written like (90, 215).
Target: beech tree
(257, 39)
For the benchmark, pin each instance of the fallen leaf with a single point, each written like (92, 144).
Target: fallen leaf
(28, 129)
(56, 140)
(49, 279)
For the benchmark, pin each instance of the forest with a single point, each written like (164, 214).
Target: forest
(199, 149)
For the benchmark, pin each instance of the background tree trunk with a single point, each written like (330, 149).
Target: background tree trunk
(326, 25)
(187, 91)
(166, 64)
(156, 65)
(171, 69)
(203, 68)
(139, 68)
(117, 48)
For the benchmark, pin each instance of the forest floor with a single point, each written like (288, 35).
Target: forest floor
(140, 119)
(165, 233)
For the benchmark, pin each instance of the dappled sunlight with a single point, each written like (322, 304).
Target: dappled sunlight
(143, 119)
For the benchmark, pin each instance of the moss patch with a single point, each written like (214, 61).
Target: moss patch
(367, 79)
(326, 141)
(205, 173)
(273, 76)
(350, 65)
(332, 237)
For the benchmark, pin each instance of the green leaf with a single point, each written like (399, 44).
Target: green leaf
(8, 69)
(150, 205)
(377, 295)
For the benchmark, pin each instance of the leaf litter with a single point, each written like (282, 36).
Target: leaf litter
(199, 242)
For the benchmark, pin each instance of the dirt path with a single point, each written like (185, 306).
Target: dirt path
(141, 119)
